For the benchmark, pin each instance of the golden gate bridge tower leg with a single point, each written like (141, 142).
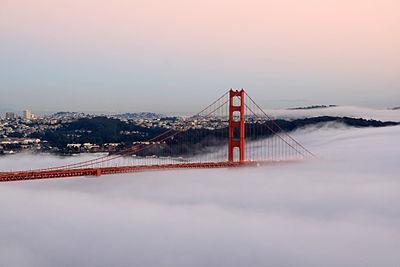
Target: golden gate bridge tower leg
(236, 125)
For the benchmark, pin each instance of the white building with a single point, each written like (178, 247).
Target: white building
(27, 115)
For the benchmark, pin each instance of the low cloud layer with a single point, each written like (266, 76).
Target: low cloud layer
(340, 111)
(339, 210)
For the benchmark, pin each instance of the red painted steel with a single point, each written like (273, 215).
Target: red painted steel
(236, 125)
(35, 175)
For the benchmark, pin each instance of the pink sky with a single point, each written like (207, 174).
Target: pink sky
(350, 39)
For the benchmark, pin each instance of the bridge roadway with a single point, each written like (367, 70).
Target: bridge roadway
(65, 173)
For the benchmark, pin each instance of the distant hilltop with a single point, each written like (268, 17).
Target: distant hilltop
(139, 115)
(68, 114)
(313, 107)
(128, 115)
(396, 108)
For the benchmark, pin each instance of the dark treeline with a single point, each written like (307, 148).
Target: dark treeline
(98, 130)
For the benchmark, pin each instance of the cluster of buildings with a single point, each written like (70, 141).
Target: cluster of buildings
(17, 132)
(26, 115)
(12, 125)
(14, 144)
(180, 123)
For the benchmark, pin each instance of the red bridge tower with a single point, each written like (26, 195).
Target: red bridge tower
(236, 126)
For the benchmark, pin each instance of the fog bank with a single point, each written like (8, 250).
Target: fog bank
(338, 111)
(339, 210)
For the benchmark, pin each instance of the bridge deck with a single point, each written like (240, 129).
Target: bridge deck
(65, 173)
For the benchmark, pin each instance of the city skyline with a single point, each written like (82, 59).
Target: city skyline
(285, 53)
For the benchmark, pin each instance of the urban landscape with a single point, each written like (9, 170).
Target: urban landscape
(45, 133)
(28, 132)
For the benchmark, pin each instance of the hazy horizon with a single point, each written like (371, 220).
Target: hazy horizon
(284, 113)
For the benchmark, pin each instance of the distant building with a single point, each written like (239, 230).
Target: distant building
(10, 115)
(27, 115)
(74, 145)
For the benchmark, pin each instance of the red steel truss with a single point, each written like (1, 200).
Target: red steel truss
(20, 176)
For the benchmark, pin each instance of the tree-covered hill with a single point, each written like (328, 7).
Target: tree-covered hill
(102, 130)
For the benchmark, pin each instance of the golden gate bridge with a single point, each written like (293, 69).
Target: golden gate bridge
(232, 131)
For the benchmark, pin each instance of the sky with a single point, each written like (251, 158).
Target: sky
(339, 210)
(177, 55)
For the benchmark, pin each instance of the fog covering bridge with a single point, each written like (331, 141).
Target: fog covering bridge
(232, 131)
